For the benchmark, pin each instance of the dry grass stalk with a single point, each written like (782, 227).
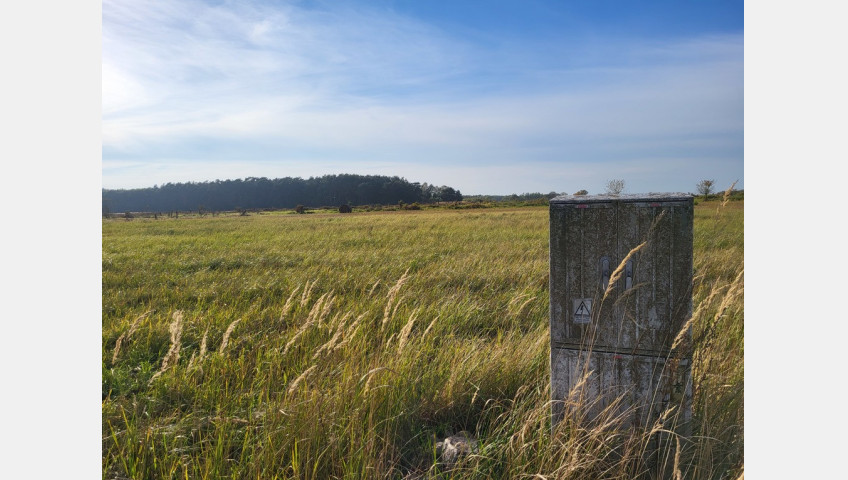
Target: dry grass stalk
(523, 305)
(370, 376)
(736, 290)
(351, 329)
(474, 397)
(577, 394)
(227, 334)
(517, 299)
(329, 299)
(616, 274)
(681, 335)
(289, 304)
(388, 312)
(542, 340)
(311, 319)
(404, 333)
(291, 341)
(203, 343)
(678, 475)
(340, 330)
(307, 293)
(295, 337)
(126, 335)
(429, 327)
(514, 308)
(398, 302)
(196, 360)
(350, 332)
(318, 309)
(329, 345)
(731, 297)
(337, 320)
(173, 355)
(300, 378)
(726, 197)
(373, 287)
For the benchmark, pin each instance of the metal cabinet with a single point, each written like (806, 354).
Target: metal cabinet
(620, 294)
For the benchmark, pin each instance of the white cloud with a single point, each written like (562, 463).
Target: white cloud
(328, 87)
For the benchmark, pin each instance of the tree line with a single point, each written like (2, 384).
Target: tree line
(262, 193)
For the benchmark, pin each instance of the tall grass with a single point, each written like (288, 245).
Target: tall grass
(346, 346)
(718, 337)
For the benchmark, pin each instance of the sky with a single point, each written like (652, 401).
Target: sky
(490, 97)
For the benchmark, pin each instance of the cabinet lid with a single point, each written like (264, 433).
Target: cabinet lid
(629, 197)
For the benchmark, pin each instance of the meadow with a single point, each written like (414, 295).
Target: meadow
(322, 346)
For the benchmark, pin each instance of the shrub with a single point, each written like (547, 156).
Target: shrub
(705, 187)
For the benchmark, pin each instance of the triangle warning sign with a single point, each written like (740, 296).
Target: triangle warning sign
(582, 310)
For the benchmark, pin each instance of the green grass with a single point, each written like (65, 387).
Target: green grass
(362, 338)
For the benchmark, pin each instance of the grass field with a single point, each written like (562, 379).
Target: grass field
(342, 346)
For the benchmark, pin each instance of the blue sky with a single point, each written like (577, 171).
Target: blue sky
(487, 97)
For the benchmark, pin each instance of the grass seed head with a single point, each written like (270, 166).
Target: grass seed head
(173, 355)
(126, 335)
(227, 334)
(293, 387)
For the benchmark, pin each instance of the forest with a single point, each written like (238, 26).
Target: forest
(264, 193)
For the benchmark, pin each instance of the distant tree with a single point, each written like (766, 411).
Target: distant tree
(705, 187)
(258, 193)
(581, 192)
(615, 187)
(448, 194)
(428, 192)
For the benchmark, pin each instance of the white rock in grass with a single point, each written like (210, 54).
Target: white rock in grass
(456, 446)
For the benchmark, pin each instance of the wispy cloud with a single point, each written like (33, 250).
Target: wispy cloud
(258, 84)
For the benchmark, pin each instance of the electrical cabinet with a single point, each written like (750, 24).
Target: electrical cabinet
(620, 297)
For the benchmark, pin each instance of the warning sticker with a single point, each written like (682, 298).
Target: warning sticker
(582, 310)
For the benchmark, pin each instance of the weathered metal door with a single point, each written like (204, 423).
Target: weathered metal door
(620, 293)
